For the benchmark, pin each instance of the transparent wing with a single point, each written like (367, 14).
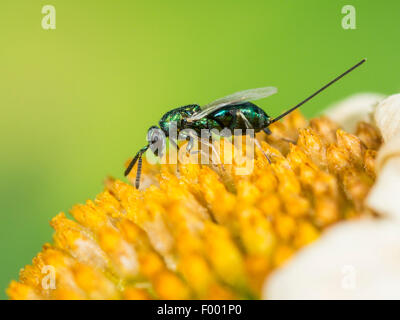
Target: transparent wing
(233, 99)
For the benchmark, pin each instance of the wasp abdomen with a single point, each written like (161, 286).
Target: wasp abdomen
(232, 117)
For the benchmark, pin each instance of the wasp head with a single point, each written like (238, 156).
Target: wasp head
(157, 140)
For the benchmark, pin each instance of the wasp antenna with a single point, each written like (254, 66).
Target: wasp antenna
(320, 90)
(137, 156)
(131, 164)
(138, 172)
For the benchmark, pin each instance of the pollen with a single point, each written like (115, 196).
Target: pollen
(208, 231)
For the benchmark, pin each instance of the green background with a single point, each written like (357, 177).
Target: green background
(76, 101)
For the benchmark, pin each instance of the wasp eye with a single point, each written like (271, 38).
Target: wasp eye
(157, 141)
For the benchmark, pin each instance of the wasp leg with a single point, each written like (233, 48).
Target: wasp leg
(214, 150)
(173, 142)
(190, 139)
(190, 142)
(289, 140)
(205, 142)
(261, 149)
(249, 126)
(269, 132)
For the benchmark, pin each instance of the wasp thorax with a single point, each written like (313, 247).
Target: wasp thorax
(157, 140)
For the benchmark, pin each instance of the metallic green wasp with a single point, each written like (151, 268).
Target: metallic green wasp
(231, 112)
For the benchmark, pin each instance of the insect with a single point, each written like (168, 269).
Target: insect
(231, 112)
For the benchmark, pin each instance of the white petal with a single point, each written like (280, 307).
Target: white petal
(353, 260)
(387, 116)
(383, 196)
(353, 109)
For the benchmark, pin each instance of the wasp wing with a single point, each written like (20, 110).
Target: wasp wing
(233, 99)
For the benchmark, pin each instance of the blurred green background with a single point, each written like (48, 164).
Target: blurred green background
(76, 101)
